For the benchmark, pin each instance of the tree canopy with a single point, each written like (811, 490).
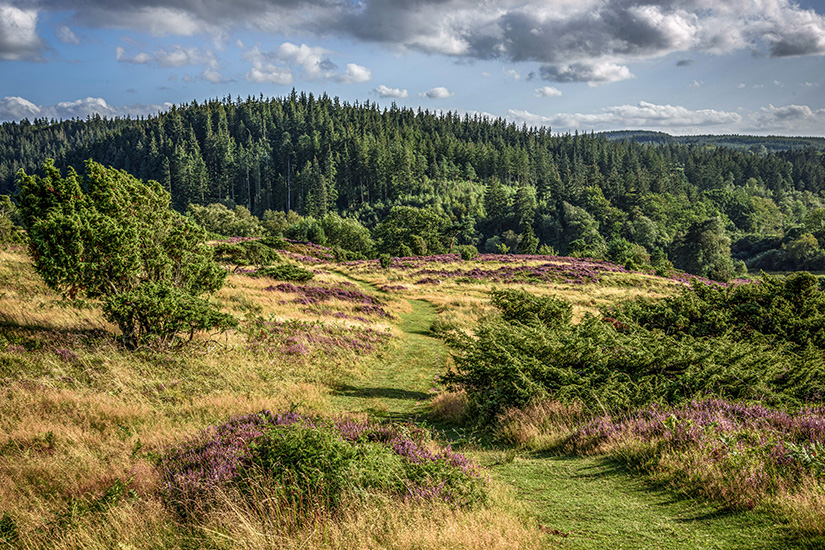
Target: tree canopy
(113, 237)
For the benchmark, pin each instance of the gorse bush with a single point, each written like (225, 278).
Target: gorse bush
(311, 463)
(533, 352)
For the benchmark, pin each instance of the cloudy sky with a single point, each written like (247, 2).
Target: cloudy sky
(684, 67)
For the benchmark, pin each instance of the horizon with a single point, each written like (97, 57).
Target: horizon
(685, 69)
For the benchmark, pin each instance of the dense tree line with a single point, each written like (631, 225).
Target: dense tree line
(492, 183)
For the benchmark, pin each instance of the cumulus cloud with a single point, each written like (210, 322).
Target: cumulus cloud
(177, 56)
(313, 62)
(18, 34)
(642, 115)
(66, 35)
(355, 74)
(439, 92)
(17, 108)
(592, 73)
(548, 91)
(385, 91)
(213, 76)
(564, 36)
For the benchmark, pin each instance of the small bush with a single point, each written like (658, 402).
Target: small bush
(385, 260)
(467, 252)
(314, 463)
(246, 253)
(519, 306)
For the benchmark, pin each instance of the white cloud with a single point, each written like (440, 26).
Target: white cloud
(269, 73)
(592, 73)
(213, 76)
(740, 85)
(66, 35)
(18, 108)
(18, 34)
(177, 56)
(548, 91)
(696, 84)
(355, 74)
(642, 115)
(512, 73)
(313, 62)
(439, 92)
(385, 91)
(778, 83)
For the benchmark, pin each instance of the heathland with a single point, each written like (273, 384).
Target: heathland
(433, 402)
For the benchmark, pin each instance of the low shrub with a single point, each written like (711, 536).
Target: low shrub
(312, 463)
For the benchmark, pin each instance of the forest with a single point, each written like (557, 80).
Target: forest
(711, 210)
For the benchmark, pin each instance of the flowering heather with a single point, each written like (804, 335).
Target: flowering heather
(295, 339)
(428, 281)
(226, 454)
(743, 454)
(307, 295)
(65, 354)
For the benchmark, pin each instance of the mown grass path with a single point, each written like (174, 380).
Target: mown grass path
(581, 502)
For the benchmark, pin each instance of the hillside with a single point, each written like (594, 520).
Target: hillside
(754, 144)
(491, 183)
(94, 432)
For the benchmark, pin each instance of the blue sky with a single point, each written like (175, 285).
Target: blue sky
(684, 67)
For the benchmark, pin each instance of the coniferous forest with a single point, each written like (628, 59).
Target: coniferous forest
(706, 209)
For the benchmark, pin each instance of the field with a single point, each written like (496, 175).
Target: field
(87, 428)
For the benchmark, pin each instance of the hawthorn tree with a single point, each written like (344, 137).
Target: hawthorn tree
(113, 237)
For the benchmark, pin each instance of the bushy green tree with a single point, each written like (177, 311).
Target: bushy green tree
(114, 237)
(404, 224)
(217, 218)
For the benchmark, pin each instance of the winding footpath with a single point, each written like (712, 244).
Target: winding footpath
(581, 502)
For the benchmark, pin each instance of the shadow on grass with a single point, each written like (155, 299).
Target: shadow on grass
(383, 393)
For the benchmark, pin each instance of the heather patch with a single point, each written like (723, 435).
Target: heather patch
(311, 463)
(311, 295)
(300, 340)
(741, 454)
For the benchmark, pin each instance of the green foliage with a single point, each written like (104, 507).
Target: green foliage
(521, 307)
(705, 250)
(277, 222)
(347, 234)
(9, 218)
(9, 534)
(420, 229)
(467, 252)
(385, 260)
(533, 352)
(159, 311)
(245, 253)
(547, 250)
(528, 243)
(777, 310)
(284, 272)
(308, 230)
(117, 238)
(217, 218)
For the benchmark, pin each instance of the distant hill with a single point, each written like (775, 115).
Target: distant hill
(753, 143)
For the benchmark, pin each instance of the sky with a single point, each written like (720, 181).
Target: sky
(677, 66)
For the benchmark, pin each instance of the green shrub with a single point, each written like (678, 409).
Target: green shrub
(533, 352)
(519, 306)
(114, 237)
(246, 253)
(467, 252)
(385, 260)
